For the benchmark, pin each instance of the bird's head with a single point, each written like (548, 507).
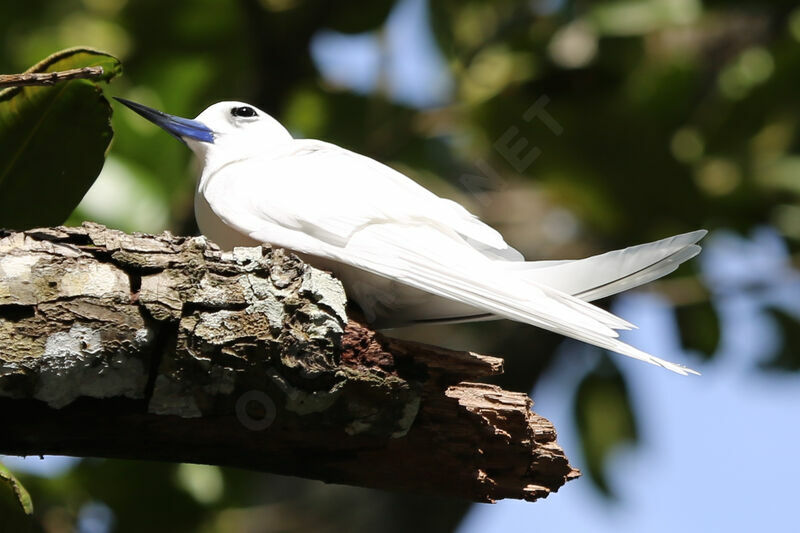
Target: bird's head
(235, 128)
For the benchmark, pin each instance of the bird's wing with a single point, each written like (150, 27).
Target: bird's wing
(324, 201)
(330, 193)
(588, 279)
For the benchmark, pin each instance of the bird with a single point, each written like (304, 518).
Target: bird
(403, 254)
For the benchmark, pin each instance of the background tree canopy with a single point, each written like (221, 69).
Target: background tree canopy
(573, 128)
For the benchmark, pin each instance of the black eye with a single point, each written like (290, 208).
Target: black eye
(244, 111)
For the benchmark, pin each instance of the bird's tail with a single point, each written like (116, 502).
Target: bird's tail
(535, 293)
(613, 272)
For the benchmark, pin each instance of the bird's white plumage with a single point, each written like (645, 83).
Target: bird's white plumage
(404, 254)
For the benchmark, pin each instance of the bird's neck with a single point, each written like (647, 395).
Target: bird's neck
(227, 150)
(210, 163)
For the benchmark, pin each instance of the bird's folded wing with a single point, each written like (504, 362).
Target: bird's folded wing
(331, 193)
(350, 209)
(430, 260)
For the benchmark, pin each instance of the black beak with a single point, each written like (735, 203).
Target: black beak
(181, 128)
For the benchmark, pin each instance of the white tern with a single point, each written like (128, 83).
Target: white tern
(403, 254)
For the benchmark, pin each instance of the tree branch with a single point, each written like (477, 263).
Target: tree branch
(164, 348)
(49, 78)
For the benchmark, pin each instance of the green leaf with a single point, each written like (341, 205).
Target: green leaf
(367, 16)
(787, 356)
(20, 492)
(605, 419)
(53, 141)
(699, 328)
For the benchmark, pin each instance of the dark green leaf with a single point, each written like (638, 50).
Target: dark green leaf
(53, 141)
(366, 17)
(605, 419)
(699, 327)
(787, 356)
(21, 494)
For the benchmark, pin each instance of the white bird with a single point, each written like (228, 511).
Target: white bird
(403, 254)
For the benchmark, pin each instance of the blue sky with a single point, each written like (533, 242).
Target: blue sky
(403, 58)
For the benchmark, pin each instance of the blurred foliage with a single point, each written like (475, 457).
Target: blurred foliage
(604, 418)
(572, 127)
(787, 356)
(699, 328)
(53, 141)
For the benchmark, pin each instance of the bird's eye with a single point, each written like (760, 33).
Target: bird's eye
(244, 111)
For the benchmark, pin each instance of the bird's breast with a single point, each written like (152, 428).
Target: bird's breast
(215, 229)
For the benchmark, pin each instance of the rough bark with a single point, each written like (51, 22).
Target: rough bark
(165, 348)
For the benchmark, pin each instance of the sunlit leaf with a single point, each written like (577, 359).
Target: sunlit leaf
(21, 494)
(53, 141)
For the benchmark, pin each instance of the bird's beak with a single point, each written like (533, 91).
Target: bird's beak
(181, 128)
